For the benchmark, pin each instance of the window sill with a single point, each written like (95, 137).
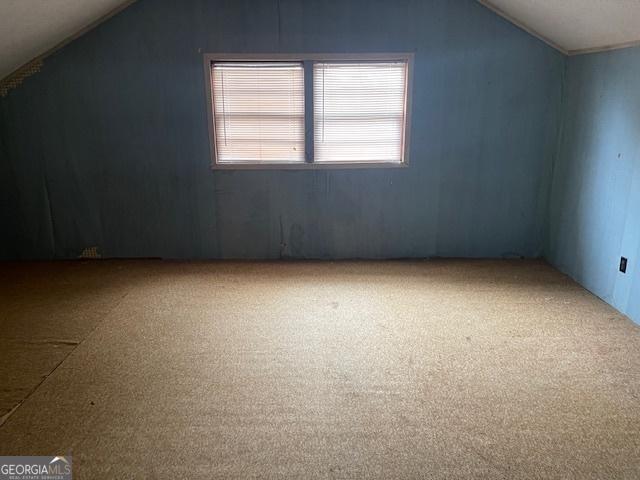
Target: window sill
(307, 166)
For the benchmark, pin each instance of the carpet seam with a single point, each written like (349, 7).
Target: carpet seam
(5, 418)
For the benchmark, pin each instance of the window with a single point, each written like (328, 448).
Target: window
(308, 111)
(359, 111)
(258, 112)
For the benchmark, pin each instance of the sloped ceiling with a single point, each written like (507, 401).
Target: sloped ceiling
(29, 28)
(576, 26)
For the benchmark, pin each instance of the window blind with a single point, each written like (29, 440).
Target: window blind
(258, 112)
(359, 111)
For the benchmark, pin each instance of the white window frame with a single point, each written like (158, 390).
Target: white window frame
(308, 60)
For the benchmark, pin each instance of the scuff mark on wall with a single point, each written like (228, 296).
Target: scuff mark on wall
(283, 245)
(296, 240)
(50, 216)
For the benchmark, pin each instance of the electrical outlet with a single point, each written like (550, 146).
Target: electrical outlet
(623, 265)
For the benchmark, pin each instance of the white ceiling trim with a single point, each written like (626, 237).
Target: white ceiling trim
(592, 29)
(66, 40)
(519, 24)
(627, 10)
(617, 46)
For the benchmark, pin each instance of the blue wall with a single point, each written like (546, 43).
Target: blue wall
(107, 146)
(595, 201)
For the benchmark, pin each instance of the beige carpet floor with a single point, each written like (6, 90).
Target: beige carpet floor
(429, 369)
